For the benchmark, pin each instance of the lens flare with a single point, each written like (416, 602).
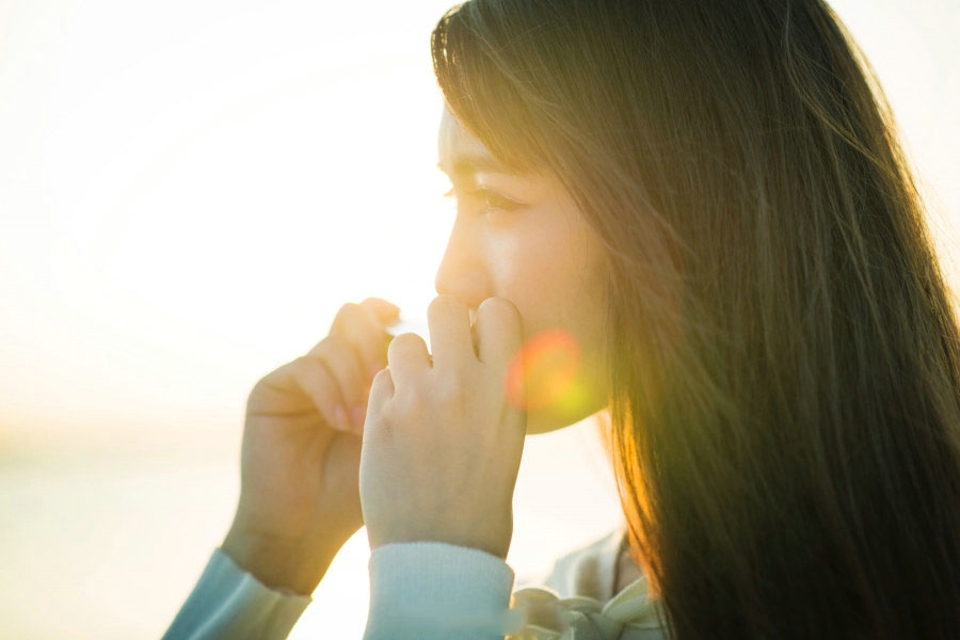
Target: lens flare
(544, 373)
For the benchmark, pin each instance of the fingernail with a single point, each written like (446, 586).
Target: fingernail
(343, 422)
(359, 414)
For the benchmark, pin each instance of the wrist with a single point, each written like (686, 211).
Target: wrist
(494, 541)
(296, 566)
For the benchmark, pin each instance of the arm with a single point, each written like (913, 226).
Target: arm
(299, 498)
(228, 603)
(440, 457)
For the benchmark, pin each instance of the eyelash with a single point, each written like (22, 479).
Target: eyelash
(492, 201)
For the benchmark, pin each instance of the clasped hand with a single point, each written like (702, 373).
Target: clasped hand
(442, 444)
(434, 456)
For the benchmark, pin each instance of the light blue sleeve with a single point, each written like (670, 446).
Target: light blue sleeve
(436, 591)
(229, 603)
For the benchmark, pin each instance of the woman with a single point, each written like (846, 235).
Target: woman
(708, 199)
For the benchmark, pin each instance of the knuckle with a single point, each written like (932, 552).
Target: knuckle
(280, 378)
(356, 325)
(333, 347)
(280, 375)
(260, 388)
(372, 303)
(337, 360)
(267, 380)
(381, 384)
(345, 313)
(349, 308)
(382, 377)
(303, 369)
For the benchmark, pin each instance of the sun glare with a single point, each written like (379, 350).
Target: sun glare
(545, 372)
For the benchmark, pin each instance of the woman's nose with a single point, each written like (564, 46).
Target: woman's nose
(462, 271)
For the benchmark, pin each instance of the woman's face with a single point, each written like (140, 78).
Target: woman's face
(521, 237)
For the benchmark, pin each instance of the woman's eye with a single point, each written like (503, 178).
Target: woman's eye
(485, 201)
(492, 201)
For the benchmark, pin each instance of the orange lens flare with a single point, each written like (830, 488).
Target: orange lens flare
(543, 374)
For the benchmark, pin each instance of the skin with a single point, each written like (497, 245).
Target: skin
(522, 238)
(353, 433)
(299, 496)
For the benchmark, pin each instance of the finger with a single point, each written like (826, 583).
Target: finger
(449, 321)
(407, 358)
(347, 371)
(499, 330)
(312, 378)
(381, 390)
(362, 327)
(386, 312)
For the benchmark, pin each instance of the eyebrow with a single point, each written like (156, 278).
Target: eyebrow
(470, 165)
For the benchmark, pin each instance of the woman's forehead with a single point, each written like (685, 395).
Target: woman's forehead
(459, 151)
(455, 142)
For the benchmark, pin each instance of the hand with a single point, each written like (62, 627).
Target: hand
(442, 444)
(299, 496)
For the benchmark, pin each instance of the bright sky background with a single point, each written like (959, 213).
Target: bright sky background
(189, 189)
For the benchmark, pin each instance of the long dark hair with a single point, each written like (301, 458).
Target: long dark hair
(785, 413)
